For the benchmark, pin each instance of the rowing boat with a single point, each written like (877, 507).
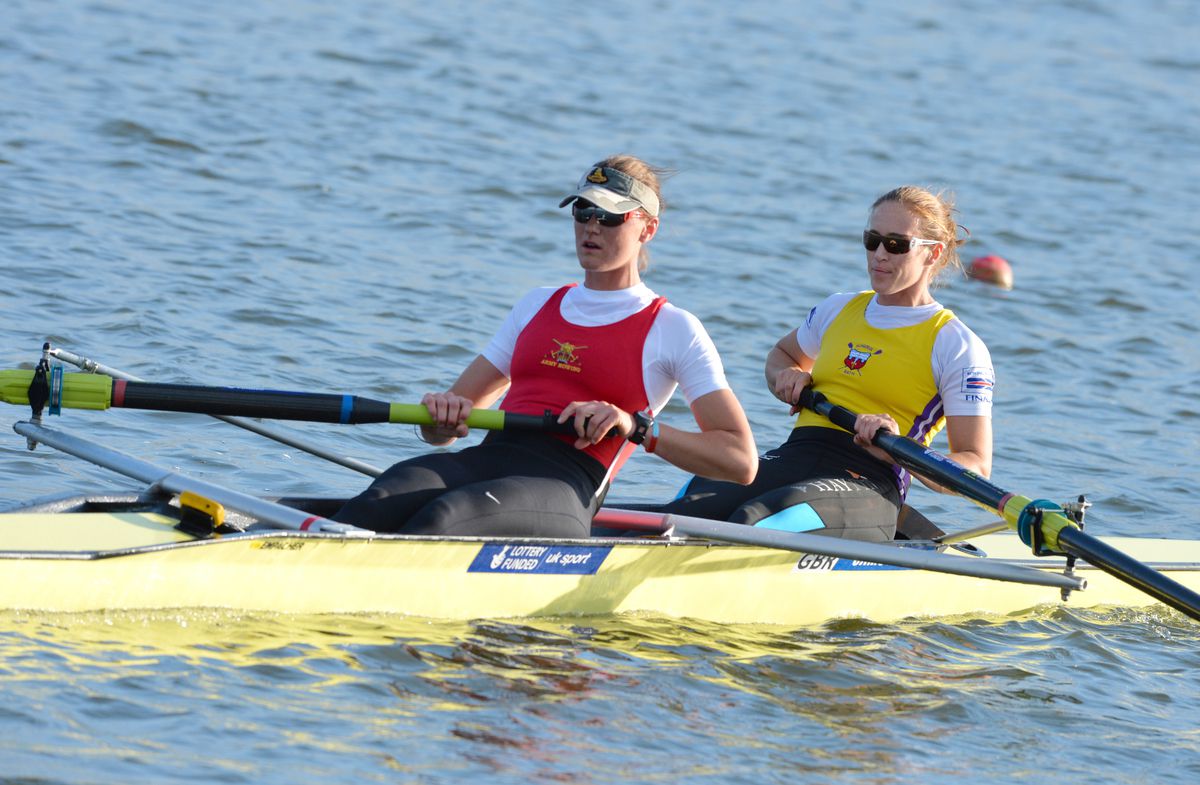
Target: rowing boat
(182, 543)
(128, 551)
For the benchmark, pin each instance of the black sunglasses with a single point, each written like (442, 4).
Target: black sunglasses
(893, 245)
(586, 211)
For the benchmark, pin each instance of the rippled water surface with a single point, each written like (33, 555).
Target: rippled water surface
(349, 196)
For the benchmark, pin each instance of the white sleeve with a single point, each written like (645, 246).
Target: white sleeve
(679, 352)
(499, 351)
(809, 334)
(962, 367)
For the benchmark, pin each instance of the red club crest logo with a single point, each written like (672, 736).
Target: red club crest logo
(565, 356)
(857, 357)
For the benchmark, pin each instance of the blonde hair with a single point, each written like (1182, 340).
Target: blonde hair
(647, 175)
(935, 220)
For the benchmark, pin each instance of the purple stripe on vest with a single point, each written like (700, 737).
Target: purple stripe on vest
(922, 425)
(903, 481)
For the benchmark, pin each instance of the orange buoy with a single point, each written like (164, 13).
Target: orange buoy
(991, 269)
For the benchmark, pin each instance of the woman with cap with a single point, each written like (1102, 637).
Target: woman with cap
(607, 355)
(892, 352)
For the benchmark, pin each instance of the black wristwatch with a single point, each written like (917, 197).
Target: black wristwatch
(642, 423)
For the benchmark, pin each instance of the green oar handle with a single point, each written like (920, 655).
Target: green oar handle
(417, 414)
(488, 419)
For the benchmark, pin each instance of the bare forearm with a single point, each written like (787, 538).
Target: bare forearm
(970, 440)
(970, 460)
(723, 448)
(788, 370)
(777, 360)
(717, 454)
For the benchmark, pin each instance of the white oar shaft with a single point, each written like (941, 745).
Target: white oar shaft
(92, 366)
(870, 552)
(267, 512)
(970, 534)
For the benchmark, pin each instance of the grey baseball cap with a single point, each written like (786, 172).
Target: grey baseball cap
(613, 190)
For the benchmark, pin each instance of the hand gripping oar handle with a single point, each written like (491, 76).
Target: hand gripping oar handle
(1040, 524)
(912, 455)
(488, 419)
(91, 391)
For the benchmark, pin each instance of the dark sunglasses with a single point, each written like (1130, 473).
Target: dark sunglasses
(893, 245)
(585, 211)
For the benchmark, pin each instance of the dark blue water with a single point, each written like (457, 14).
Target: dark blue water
(349, 196)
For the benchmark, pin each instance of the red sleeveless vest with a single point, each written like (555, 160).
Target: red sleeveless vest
(555, 362)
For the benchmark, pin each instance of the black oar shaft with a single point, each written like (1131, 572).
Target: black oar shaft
(273, 404)
(310, 407)
(1131, 571)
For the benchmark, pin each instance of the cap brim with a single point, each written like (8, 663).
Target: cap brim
(604, 199)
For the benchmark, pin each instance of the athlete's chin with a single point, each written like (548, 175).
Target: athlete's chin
(597, 262)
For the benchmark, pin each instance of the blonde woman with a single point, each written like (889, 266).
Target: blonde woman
(609, 354)
(892, 352)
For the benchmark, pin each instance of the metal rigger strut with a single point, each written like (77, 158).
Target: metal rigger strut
(1076, 510)
(46, 386)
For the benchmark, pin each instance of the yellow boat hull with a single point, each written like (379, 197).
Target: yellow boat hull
(89, 561)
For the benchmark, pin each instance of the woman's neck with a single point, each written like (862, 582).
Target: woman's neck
(612, 280)
(912, 297)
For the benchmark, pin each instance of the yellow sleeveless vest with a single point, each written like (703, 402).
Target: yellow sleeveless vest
(875, 371)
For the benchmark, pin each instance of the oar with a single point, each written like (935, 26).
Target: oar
(275, 515)
(920, 558)
(90, 391)
(1040, 524)
(91, 366)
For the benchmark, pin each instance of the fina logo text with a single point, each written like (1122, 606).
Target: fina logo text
(977, 384)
